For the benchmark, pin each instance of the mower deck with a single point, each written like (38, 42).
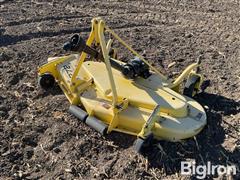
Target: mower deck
(132, 97)
(180, 117)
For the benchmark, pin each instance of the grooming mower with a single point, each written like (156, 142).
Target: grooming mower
(130, 97)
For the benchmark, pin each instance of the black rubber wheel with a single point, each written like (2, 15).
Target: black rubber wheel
(46, 81)
(190, 85)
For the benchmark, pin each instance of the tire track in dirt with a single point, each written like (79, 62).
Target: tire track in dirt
(67, 17)
(11, 39)
(48, 18)
(149, 17)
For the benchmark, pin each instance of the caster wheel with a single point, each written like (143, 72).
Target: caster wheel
(190, 89)
(46, 81)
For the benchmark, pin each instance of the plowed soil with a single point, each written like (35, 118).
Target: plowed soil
(40, 139)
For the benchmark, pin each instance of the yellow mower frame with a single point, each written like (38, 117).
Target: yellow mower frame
(150, 103)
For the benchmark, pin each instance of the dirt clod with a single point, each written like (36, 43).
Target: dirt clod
(4, 56)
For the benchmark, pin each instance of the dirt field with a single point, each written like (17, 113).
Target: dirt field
(40, 139)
